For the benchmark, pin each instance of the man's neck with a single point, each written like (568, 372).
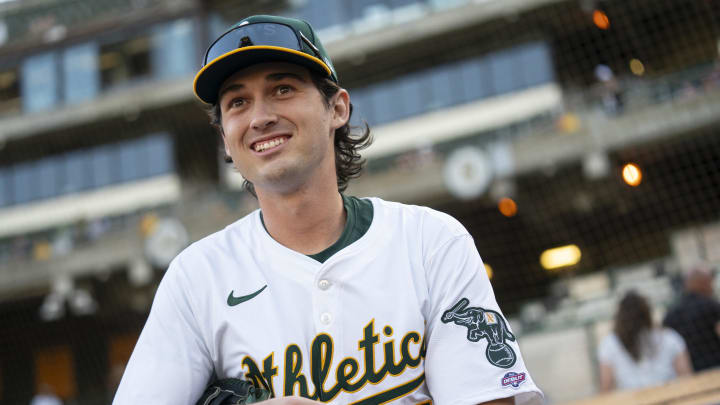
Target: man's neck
(306, 221)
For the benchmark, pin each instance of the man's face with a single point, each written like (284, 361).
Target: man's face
(277, 127)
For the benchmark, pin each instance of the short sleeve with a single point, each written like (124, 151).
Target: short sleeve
(607, 350)
(675, 342)
(170, 363)
(472, 354)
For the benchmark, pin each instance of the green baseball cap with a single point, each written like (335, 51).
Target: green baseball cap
(257, 39)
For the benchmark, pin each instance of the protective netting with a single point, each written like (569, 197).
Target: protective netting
(577, 141)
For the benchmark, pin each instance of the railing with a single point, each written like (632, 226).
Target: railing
(699, 389)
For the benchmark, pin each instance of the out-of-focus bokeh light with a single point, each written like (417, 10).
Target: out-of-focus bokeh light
(148, 224)
(637, 67)
(42, 251)
(601, 20)
(558, 257)
(488, 270)
(632, 174)
(568, 123)
(507, 207)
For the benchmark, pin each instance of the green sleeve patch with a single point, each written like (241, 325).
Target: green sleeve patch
(484, 324)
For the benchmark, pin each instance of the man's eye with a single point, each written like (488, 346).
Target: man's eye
(282, 90)
(236, 102)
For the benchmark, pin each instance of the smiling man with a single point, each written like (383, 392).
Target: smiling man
(317, 297)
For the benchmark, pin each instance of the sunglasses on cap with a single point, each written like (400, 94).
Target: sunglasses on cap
(261, 34)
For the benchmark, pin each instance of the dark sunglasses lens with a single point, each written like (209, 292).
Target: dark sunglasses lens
(254, 34)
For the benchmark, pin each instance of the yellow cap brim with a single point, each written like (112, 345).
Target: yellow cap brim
(208, 80)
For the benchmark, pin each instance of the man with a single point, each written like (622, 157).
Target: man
(696, 317)
(318, 295)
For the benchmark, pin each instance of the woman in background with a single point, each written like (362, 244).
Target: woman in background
(637, 354)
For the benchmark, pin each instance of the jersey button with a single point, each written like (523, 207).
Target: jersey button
(325, 318)
(324, 284)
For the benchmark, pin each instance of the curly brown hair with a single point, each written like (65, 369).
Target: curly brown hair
(348, 162)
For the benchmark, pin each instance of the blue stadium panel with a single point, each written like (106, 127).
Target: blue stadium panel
(46, 177)
(173, 49)
(536, 62)
(475, 77)
(103, 165)
(81, 73)
(39, 82)
(22, 183)
(134, 160)
(159, 148)
(5, 198)
(505, 71)
(456, 83)
(323, 14)
(76, 172)
(413, 94)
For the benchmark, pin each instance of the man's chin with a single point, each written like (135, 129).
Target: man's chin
(282, 180)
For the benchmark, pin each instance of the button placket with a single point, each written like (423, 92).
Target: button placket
(326, 318)
(326, 302)
(324, 284)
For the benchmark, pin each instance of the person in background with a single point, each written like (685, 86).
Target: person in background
(696, 317)
(637, 354)
(610, 92)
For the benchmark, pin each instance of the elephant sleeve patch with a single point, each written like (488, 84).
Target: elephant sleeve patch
(484, 324)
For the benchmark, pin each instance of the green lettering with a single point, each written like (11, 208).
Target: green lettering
(367, 345)
(269, 371)
(293, 372)
(405, 349)
(344, 376)
(321, 360)
(390, 366)
(253, 373)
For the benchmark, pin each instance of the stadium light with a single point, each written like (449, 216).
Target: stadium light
(601, 19)
(632, 174)
(637, 67)
(507, 207)
(558, 257)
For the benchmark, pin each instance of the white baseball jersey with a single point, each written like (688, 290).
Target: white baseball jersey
(403, 315)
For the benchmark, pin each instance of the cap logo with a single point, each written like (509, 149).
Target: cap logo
(245, 41)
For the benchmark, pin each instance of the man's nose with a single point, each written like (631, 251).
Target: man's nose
(263, 116)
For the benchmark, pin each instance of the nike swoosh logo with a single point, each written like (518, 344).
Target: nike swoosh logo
(232, 301)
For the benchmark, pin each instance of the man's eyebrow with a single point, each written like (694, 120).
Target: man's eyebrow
(283, 75)
(274, 77)
(235, 86)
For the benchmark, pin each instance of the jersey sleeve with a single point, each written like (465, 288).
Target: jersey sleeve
(170, 363)
(472, 354)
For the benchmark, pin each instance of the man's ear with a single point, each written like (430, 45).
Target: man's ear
(224, 139)
(227, 147)
(341, 108)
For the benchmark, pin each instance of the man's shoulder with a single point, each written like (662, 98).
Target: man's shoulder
(232, 235)
(691, 302)
(429, 219)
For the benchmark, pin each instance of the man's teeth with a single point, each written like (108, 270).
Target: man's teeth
(261, 146)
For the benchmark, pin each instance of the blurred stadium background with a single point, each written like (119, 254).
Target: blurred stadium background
(577, 140)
